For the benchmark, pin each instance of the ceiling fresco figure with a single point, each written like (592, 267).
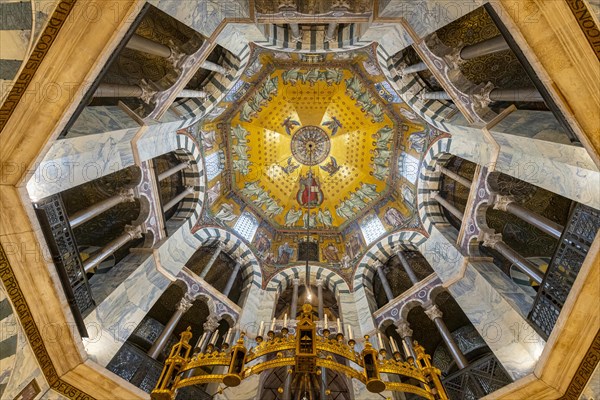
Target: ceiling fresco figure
(334, 125)
(331, 167)
(310, 193)
(289, 124)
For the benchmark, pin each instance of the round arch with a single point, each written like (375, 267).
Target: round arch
(332, 280)
(236, 249)
(383, 250)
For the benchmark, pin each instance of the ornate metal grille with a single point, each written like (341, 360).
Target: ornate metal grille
(481, 378)
(63, 248)
(564, 267)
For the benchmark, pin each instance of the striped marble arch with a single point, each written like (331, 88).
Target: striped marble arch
(236, 249)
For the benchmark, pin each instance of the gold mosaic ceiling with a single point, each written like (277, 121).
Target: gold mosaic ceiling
(291, 108)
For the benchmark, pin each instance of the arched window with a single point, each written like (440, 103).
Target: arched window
(408, 166)
(246, 226)
(214, 165)
(372, 228)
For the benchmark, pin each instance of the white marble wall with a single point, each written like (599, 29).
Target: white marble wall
(528, 152)
(364, 314)
(494, 304)
(114, 319)
(508, 334)
(74, 161)
(205, 16)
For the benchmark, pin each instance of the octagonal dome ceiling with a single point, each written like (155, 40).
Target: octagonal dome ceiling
(311, 137)
(324, 133)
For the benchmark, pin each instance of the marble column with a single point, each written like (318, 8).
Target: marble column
(403, 329)
(453, 175)
(411, 69)
(508, 204)
(331, 27)
(131, 232)
(231, 279)
(211, 66)
(386, 285)
(210, 326)
(80, 217)
(465, 53)
(197, 94)
(140, 43)
(175, 200)
(172, 171)
(296, 35)
(407, 268)
(211, 262)
(435, 315)
(491, 94)
(143, 91)
(435, 195)
(163, 339)
(322, 318)
(495, 242)
(294, 306)
(483, 48)
(287, 388)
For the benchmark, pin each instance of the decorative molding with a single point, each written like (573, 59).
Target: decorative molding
(34, 336)
(586, 22)
(55, 23)
(584, 370)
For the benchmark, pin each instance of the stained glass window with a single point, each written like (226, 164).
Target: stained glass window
(214, 165)
(408, 166)
(246, 226)
(372, 228)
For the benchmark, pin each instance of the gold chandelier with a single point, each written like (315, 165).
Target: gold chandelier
(304, 353)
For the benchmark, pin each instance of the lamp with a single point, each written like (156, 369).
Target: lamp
(305, 352)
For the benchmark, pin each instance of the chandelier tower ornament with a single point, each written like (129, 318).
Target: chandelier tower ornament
(304, 352)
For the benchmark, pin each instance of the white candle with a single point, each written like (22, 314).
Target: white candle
(380, 340)
(325, 322)
(406, 349)
(261, 328)
(199, 344)
(394, 345)
(339, 327)
(350, 335)
(272, 326)
(214, 338)
(285, 320)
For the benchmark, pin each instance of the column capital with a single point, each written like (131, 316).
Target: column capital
(127, 195)
(148, 92)
(211, 324)
(421, 95)
(403, 328)
(481, 97)
(319, 283)
(501, 202)
(185, 303)
(434, 193)
(453, 59)
(134, 231)
(491, 239)
(434, 312)
(296, 282)
(401, 67)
